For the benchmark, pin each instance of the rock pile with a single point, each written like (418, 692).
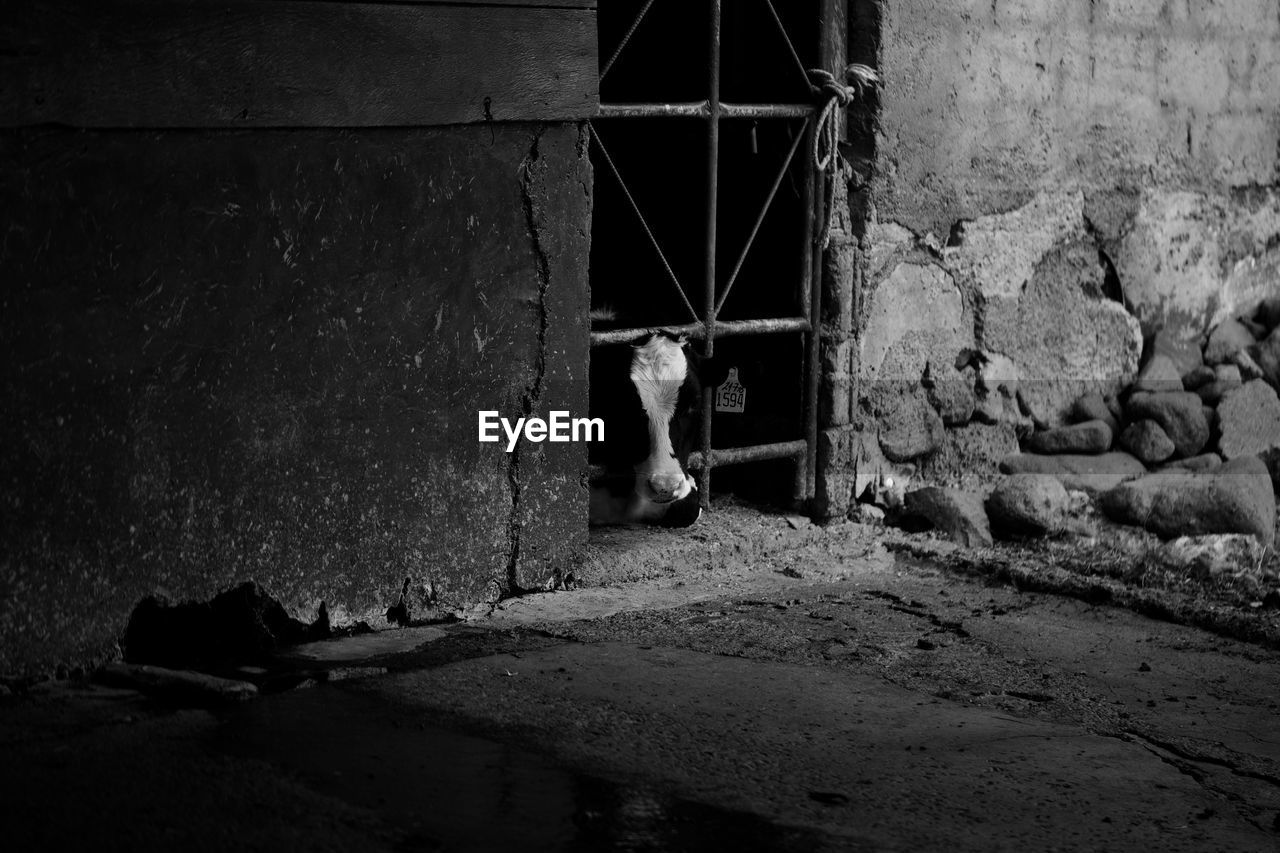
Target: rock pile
(1190, 448)
(1191, 408)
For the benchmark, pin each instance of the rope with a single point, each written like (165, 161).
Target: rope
(826, 134)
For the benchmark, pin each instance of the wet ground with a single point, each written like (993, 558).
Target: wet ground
(791, 689)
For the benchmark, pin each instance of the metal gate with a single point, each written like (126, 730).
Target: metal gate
(702, 322)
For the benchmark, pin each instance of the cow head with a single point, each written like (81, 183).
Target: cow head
(652, 408)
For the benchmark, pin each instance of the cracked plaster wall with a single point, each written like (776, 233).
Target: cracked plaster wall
(1011, 141)
(259, 356)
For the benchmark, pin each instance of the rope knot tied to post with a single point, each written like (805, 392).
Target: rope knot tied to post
(833, 93)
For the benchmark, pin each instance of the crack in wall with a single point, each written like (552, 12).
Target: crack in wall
(531, 173)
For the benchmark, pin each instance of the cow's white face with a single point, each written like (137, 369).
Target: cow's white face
(659, 369)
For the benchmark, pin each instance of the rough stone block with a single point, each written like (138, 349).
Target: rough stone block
(1203, 462)
(839, 274)
(1159, 374)
(1147, 441)
(917, 316)
(1088, 437)
(1236, 17)
(1202, 375)
(954, 398)
(969, 457)
(1027, 504)
(957, 513)
(1193, 73)
(1093, 407)
(1212, 393)
(1235, 498)
(1132, 13)
(1062, 342)
(910, 428)
(1227, 338)
(1179, 414)
(1190, 260)
(1238, 148)
(837, 468)
(1249, 421)
(1266, 358)
(1078, 472)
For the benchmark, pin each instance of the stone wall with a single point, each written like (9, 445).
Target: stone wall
(1036, 189)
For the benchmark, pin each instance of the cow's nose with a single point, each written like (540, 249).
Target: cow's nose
(668, 486)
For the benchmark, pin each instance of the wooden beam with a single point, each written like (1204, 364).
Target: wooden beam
(833, 50)
(294, 63)
(539, 4)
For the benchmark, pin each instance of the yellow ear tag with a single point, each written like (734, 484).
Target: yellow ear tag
(731, 396)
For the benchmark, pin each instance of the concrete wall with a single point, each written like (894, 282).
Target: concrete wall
(239, 356)
(1048, 182)
(986, 103)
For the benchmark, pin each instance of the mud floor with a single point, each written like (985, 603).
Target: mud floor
(756, 684)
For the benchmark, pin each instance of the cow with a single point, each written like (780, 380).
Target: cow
(649, 394)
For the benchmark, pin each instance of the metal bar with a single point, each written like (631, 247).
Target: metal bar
(687, 109)
(626, 38)
(709, 282)
(697, 331)
(764, 211)
(729, 456)
(702, 109)
(767, 110)
(804, 74)
(756, 453)
(643, 224)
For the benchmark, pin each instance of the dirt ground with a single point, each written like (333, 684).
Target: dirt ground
(752, 683)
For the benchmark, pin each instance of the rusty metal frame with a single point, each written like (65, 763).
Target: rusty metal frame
(707, 327)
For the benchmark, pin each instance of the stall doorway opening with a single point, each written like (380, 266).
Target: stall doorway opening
(705, 216)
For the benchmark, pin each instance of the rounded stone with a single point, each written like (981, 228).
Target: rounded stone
(1088, 437)
(1180, 414)
(1028, 504)
(1226, 340)
(1147, 441)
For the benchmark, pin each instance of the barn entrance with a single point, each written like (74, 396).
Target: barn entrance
(707, 212)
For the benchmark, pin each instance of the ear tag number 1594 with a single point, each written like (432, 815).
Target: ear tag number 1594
(731, 396)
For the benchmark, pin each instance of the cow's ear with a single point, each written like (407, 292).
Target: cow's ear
(712, 372)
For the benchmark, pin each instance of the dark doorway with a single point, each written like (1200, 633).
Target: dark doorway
(654, 189)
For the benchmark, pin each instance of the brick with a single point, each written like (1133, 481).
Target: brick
(836, 465)
(1258, 17)
(1238, 148)
(1193, 73)
(1121, 69)
(1139, 14)
(1042, 15)
(835, 400)
(1013, 60)
(837, 354)
(1264, 80)
(839, 271)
